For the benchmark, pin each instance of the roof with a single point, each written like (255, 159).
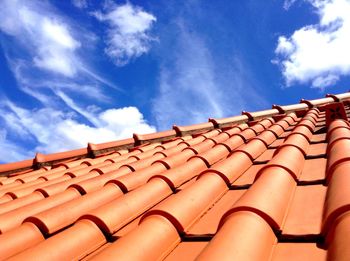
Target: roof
(266, 185)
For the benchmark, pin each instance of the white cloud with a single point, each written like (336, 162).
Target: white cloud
(318, 54)
(55, 130)
(128, 33)
(46, 37)
(80, 3)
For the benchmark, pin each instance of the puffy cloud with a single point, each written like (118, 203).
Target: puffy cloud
(318, 54)
(54, 130)
(128, 31)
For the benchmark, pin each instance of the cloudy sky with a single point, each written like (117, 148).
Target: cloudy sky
(80, 71)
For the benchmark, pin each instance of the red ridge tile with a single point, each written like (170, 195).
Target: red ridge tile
(157, 136)
(231, 121)
(193, 129)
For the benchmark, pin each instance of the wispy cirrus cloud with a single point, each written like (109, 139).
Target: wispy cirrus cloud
(318, 53)
(128, 34)
(48, 55)
(57, 130)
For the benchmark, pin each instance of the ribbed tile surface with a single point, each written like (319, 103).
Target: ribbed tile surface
(276, 188)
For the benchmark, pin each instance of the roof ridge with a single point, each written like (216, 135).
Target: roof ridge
(138, 140)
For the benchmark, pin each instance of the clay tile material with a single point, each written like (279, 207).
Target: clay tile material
(49, 159)
(154, 239)
(343, 96)
(247, 134)
(303, 130)
(71, 244)
(339, 240)
(145, 162)
(337, 134)
(318, 102)
(235, 130)
(19, 239)
(228, 170)
(241, 233)
(102, 148)
(177, 159)
(269, 197)
(233, 142)
(20, 202)
(293, 107)
(211, 133)
(137, 178)
(9, 168)
(267, 137)
(56, 218)
(253, 148)
(338, 153)
(289, 158)
(185, 207)
(297, 140)
(14, 218)
(298, 251)
(305, 213)
(213, 155)
(201, 147)
(179, 175)
(193, 129)
(229, 122)
(158, 136)
(263, 114)
(276, 129)
(119, 212)
(338, 195)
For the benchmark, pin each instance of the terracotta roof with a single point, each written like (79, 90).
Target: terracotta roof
(266, 185)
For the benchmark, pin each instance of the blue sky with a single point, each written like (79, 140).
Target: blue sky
(83, 70)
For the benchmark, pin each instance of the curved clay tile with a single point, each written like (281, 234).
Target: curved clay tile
(58, 217)
(243, 236)
(153, 239)
(114, 215)
(179, 175)
(14, 218)
(21, 238)
(71, 244)
(185, 207)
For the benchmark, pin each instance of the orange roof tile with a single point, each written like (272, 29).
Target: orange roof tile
(265, 185)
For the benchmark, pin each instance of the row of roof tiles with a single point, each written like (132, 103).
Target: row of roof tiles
(94, 150)
(184, 183)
